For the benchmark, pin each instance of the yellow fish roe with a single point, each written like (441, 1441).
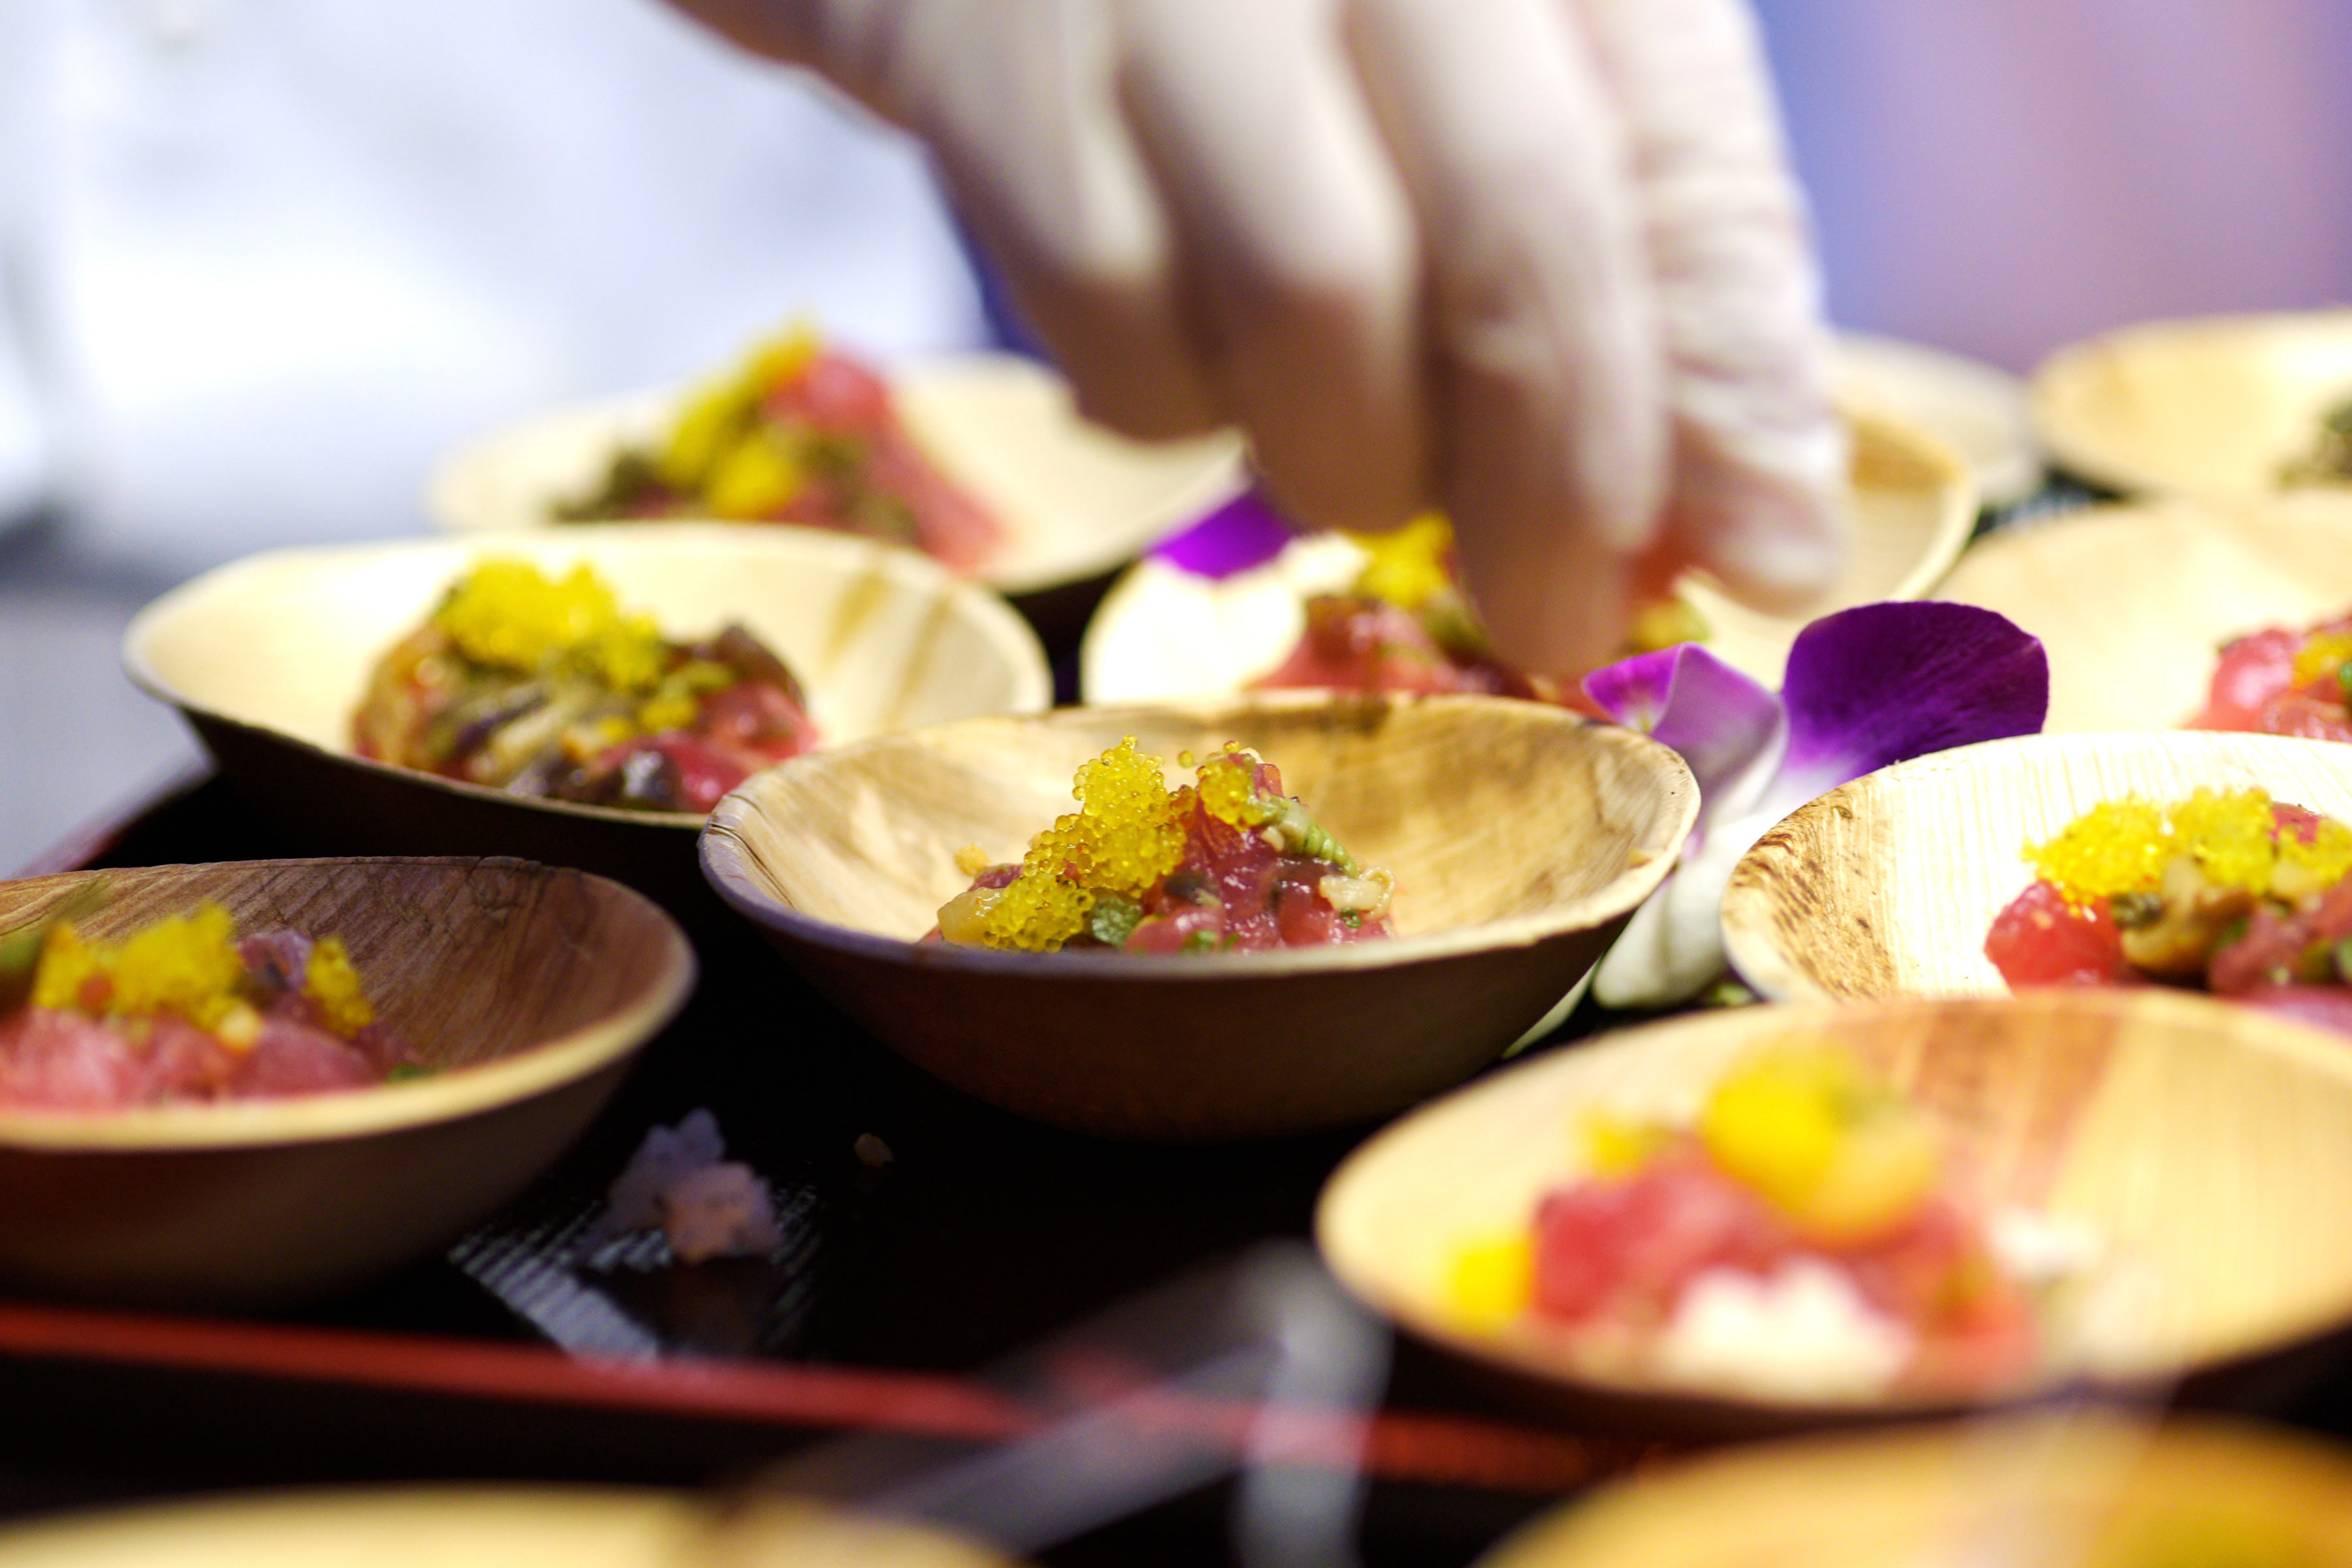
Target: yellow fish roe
(1228, 786)
(329, 980)
(2325, 654)
(509, 614)
(1125, 835)
(2123, 846)
(185, 964)
(1407, 566)
(1491, 1282)
(713, 428)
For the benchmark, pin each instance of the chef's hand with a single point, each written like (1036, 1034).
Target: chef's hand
(1537, 261)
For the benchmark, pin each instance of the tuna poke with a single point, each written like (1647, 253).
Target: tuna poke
(1811, 1237)
(2233, 893)
(799, 433)
(1226, 863)
(185, 1011)
(544, 686)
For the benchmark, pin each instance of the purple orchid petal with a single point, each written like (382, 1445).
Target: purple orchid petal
(1729, 729)
(1880, 683)
(1245, 531)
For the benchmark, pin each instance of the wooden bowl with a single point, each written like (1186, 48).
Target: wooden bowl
(1979, 409)
(2085, 1487)
(2203, 1144)
(268, 656)
(1886, 885)
(529, 988)
(1073, 500)
(454, 1526)
(2208, 407)
(1162, 632)
(1521, 837)
(2132, 602)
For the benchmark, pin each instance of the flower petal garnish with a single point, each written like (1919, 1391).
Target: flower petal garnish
(1245, 531)
(1881, 683)
(1728, 727)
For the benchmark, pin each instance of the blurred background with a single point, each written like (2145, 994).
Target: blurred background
(262, 261)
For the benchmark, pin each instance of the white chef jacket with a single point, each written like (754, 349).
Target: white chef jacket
(262, 260)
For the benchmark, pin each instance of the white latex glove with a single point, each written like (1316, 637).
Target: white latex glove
(1538, 261)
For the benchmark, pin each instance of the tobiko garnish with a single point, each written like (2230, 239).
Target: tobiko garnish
(1811, 1236)
(2233, 892)
(544, 687)
(1227, 862)
(182, 1010)
(798, 433)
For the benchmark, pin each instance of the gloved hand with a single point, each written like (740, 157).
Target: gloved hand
(1537, 261)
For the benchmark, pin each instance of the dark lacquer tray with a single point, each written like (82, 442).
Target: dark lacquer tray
(520, 1355)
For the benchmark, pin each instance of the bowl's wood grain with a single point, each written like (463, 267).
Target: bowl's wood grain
(1162, 633)
(268, 657)
(1521, 836)
(2133, 602)
(1073, 500)
(1886, 885)
(2079, 1487)
(529, 989)
(2207, 407)
(2205, 1144)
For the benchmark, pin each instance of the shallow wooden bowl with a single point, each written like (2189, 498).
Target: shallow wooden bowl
(2203, 1144)
(1979, 408)
(1073, 500)
(1162, 632)
(2132, 602)
(2092, 1486)
(1886, 885)
(1521, 837)
(480, 1526)
(268, 657)
(2207, 406)
(528, 988)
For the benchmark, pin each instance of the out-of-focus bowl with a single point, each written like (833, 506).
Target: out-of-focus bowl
(2132, 602)
(268, 657)
(1073, 500)
(482, 1527)
(527, 989)
(1521, 837)
(2207, 406)
(2201, 1144)
(2085, 1486)
(1887, 886)
(1162, 632)
(1977, 407)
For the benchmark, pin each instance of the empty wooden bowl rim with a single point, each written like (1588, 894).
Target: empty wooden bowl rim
(2084, 449)
(1087, 555)
(731, 867)
(516, 1074)
(2304, 1047)
(973, 601)
(1632, 1522)
(1751, 939)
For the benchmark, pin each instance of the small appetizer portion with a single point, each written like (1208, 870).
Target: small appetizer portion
(183, 1011)
(800, 433)
(1227, 863)
(2276, 681)
(2233, 893)
(1403, 624)
(1810, 1239)
(2329, 459)
(542, 687)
